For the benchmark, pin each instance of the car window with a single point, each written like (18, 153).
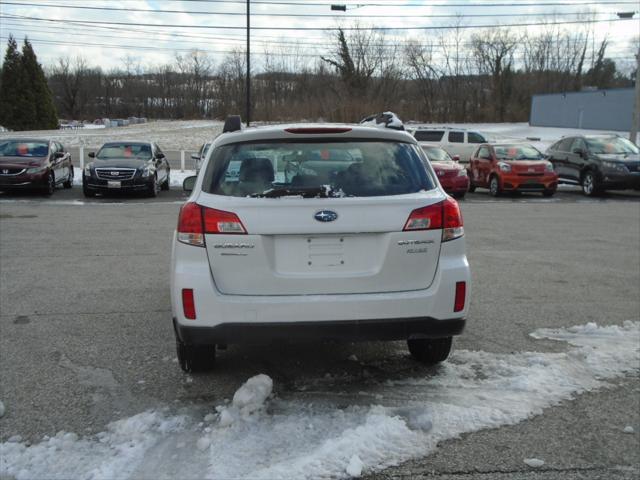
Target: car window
(428, 135)
(578, 143)
(484, 153)
(436, 154)
(20, 148)
(355, 169)
(565, 144)
(611, 146)
(473, 137)
(517, 152)
(456, 137)
(60, 147)
(124, 150)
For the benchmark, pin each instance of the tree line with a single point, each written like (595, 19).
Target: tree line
(455, 77)
(26, 102)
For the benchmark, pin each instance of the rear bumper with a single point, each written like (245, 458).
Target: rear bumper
(455, 184)
(354, 330)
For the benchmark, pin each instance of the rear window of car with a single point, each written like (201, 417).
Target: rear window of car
(19, 148)
(474, 137)
(310, 169)
(124, 150)
(565, 144)
(428, 135)
(436, 154)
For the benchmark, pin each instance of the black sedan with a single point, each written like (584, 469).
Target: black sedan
(34, 164)
(126, 167)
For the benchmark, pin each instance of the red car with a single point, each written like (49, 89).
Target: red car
(512, 168)
(453, 176)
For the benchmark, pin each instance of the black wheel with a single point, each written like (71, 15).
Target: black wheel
(165, 184)
(494, 187)
(430, 350)
(50, 186)
(68, 183)
(87, 191)
(153, 188)
(590, 184)
(472, 188)
(548, 193)
(459, 195)
(195, 358)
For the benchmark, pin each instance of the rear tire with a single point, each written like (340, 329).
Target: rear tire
(430, 351)
(68, 183)
(195, 358)
(459, 196)
(153, 188)
(472, 188)
(548, 193)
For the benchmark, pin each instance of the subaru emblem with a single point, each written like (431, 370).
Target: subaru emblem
(325, 216)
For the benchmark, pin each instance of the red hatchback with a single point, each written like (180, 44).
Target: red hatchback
(512, 168)
(453, 176)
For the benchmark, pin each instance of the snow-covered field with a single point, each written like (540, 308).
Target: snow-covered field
(190, 134)
(307, 435)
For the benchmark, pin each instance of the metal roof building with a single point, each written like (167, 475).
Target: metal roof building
(595, 109)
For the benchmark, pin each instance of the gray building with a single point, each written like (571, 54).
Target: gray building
(593, 109)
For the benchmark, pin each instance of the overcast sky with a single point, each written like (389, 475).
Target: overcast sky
(155, 37)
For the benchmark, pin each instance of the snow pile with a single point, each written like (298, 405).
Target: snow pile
(248, 399)
(297, 438)
(2, 409)
(534, 462)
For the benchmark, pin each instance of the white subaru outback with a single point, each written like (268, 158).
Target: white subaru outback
(317, 232)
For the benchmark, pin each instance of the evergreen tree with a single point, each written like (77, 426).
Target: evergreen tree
(17, 109)
(46, 117)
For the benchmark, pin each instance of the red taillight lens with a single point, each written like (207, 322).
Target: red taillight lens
(194, 221)
(425, 218)
(461, 292)
(218, 221)
(444, 215)
(190, 225)
(188, 304)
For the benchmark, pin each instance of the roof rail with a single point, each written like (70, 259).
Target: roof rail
(233, 123)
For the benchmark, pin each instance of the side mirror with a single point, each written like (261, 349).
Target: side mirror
(456, 158)
(160, 156)
(195, 156)
(59, 155)
(92, 154)
(189, 183)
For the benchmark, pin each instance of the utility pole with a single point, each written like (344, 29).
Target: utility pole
(633, 135)
(248, 80)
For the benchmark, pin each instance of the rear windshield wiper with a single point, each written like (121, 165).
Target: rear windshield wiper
(321, 191)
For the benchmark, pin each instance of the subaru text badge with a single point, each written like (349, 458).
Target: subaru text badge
(325, 216)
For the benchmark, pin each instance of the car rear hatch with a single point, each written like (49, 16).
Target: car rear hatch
(288, 251)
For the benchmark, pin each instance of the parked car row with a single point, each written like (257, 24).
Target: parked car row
(594, 162)
(42, 165)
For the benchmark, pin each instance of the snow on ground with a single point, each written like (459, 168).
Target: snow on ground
(310, 437)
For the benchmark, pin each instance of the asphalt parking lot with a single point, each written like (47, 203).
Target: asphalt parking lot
(86, 334)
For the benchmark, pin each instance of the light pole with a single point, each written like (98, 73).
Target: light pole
(635, 120)
(248, 79)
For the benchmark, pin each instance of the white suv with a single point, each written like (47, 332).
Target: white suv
(459, 143)
(323, 232)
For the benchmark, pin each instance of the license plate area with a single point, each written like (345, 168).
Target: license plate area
(114, 184)
(326, 251)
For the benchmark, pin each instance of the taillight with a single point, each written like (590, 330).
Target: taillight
(444, 215)
(461, 292)
(195, 220)
(190, 225)
(188, 304)
(218, 221)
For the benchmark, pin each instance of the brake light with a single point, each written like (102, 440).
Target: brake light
(195, 220)
(461, 291)
(188, 304)
(317, 130)
(444, 215)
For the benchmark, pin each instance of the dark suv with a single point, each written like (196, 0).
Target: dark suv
(126, 166)
(596, 162)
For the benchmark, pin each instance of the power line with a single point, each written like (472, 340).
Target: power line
(430, 27)
(315, 15)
